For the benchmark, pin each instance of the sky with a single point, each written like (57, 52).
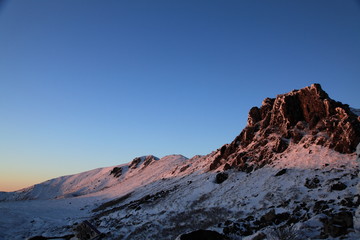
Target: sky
(87, 84)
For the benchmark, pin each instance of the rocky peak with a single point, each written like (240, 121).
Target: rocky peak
(305, 116)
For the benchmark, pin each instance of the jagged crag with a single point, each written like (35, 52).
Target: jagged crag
(306, 116)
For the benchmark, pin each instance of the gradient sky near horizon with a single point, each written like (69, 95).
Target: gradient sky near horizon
(88, 84)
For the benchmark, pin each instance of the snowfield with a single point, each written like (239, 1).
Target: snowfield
(308, 190)
(174, 195)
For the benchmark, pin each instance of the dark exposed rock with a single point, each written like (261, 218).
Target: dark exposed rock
(66, 237)
(292, 220)
(339, 186)
(312, 183)
(215, 163)
(86, 231)
(338, 224)
(112, 202)
(184, 168)
(145, 160)
(281, 172)
(221, 177)
(203, 235)
(347, 202)
(223, 149)
(350, 202)
(242, 229)
(249, 218)
(227, 222)
(254, 116)
(227, 167)
(233, 229)
(284, 203)
(149, 159)
(269, 216)
(116, 171)
(306, 116)
(135, 162)
(320, 206)
(295, 135)
(281, 217)
(136, 204)
(272, 218)
(280, 145)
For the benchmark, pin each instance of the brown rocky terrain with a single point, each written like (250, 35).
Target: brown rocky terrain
(306, 116)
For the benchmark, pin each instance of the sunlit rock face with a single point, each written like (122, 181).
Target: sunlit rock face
(306, 116)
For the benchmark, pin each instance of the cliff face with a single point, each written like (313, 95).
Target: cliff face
(306, 116)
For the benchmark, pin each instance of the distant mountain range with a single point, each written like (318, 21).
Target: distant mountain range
(291, 172)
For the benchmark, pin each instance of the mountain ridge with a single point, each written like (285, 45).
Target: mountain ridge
(274, 120)
(268, 178)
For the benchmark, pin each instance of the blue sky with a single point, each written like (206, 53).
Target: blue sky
(87, 84)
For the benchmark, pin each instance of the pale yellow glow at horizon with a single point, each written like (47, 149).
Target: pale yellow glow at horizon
(11, 186)
(14, 183)
(10, 181)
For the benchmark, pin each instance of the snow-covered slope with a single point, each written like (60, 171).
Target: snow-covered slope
(99, 180)
(300, 196)
(175, 195)
(289, 170)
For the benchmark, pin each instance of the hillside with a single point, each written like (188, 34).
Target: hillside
(293, 168)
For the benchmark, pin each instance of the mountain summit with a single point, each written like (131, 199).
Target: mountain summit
(306, 116)
(290, 174)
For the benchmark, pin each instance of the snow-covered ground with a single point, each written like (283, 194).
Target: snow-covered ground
(304, 188)
(23, 219)
(149, 198)
(174, 195)
(195, 201)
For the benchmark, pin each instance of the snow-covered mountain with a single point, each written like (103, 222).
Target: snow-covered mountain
(292, 170)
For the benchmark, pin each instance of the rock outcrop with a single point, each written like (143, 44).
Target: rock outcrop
(306, 116)
(145, 161)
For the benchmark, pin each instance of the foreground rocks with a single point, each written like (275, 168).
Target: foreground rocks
(338, 224)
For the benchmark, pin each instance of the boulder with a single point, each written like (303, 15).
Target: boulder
(281, 172)
(338, 224)
(221, 177)
(339, 186)
(202, 235)
(269, 216)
